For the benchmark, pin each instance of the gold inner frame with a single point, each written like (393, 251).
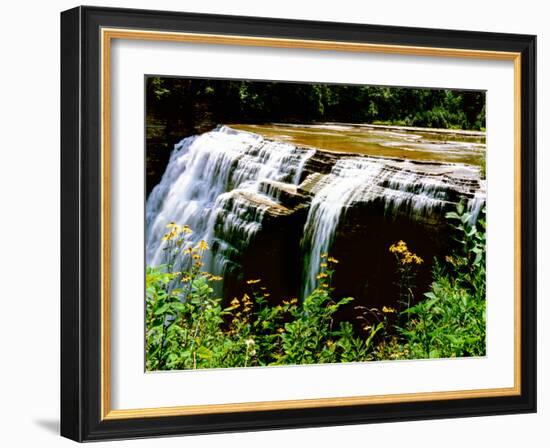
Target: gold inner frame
(107, 35)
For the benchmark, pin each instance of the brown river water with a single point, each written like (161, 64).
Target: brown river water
(423, 144)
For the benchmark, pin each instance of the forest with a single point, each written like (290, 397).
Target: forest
(225, 101)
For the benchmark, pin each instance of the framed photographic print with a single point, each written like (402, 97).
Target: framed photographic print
(275, 224)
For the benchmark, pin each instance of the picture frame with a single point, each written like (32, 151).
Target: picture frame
(87, 35)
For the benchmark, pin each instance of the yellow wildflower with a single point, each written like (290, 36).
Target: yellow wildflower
(323, 265)
(186, 229)
(399, 247)
(170, 235)
(332, 260)
(387, 309)
(203, 245)
(322, 275)
(252, 282)
(404, 255)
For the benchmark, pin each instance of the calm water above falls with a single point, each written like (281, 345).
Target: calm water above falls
(227, 185)
(414, 144)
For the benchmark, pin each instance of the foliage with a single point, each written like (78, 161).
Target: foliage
(450, 321)
(407, 265)
(223, 101)
(188, 327)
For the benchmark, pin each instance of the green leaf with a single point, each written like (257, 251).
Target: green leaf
(452, 215)
(162, 309)
(179, 307)
(204, 353)
(479, 255)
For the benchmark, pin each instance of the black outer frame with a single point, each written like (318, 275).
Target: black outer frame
(81, 223)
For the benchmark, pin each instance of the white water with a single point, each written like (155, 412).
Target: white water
(201, 187)
(400, 187)
(222, 182)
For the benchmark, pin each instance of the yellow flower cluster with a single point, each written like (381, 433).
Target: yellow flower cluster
(253, 282)
(405, 255)
(329, 259)
(175, 230)
(211, 277)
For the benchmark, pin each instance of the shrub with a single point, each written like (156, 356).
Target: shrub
(450, 321)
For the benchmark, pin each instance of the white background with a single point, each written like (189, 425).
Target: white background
(29, 176)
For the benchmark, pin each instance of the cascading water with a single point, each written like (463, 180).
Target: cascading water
(399, 186)
(224, 183)
(347, 178)
(203, 187)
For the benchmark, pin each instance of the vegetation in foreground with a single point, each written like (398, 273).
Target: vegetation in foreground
(188, 327)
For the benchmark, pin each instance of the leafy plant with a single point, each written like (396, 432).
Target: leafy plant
(450, 321)
(187, 327)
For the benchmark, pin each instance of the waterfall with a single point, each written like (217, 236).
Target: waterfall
(347, 179)
(402, 187)
(225, 183)
(208, 185)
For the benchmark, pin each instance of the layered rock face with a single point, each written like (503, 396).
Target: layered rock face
(269, 210)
